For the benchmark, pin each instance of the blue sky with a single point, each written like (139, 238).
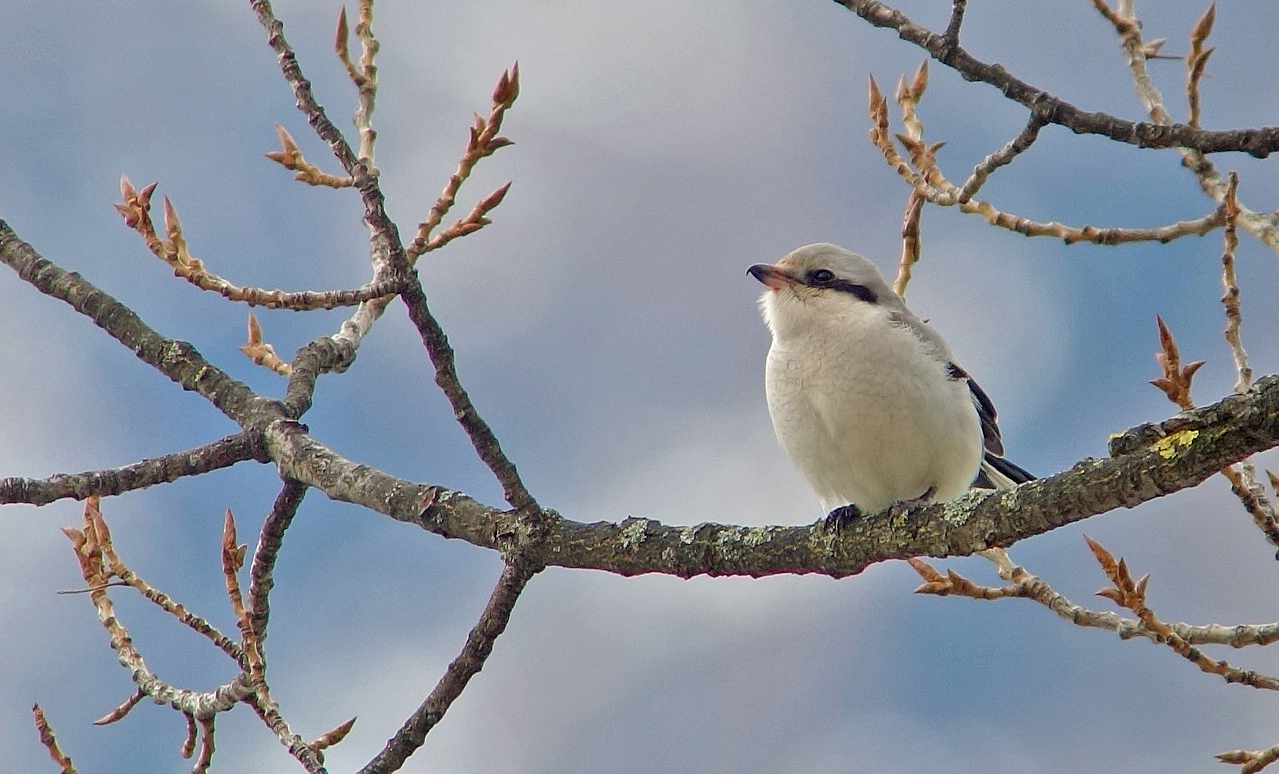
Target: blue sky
(607, 329)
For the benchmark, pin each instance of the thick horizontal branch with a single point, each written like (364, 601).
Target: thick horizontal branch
(162, 470)
(1257, 142)
(1153, 460)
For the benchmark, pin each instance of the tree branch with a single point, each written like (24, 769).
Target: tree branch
(1148, 461)
(177, 360)
(479, 644)
(1257, 142)
(222, 453)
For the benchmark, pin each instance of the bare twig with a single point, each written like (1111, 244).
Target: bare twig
(479, 644)
(1132, 595)
(1257, 142)
(1251, 761)
(136, 210)
(50, 741)
(484, 141)
(327, 740)
(1175, 383)
(1260, 225)
(1028, 586)
(1198, 60)
(1230, 299)
(482, 438)
(910, 242)
(261, 352)
(1001, 157)
(98, 563)
(1177, 379)
(290, 157)
(364, 76)
(926, 179)
(121, 711)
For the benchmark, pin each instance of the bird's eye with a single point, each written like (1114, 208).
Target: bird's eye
(821, 276)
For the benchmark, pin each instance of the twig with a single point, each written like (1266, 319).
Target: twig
(1132, 595)
(1176, 381)
(121, 711)
(1177, 378)
(484, 141)
(1234, 315)
(270, 541)
(1257, 142)
(482, 438)
(956, 21)
(364, 76)
(1260, 225)
(261, 352)
(1252, 761)
(290, 157)
(1198, 60)
(927, 180)
(1028, 586)
(1002, 157)
(136, 210)
(479, 644)
(50, 741)
(910, 242)
(98, 564)
(207, 746)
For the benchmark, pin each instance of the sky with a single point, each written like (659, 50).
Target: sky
(606, 328)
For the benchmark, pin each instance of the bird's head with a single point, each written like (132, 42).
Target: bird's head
(820, 283)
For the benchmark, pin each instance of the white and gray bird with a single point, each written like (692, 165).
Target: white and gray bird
(866, 399)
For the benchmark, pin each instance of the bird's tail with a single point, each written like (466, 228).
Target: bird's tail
(998, 473)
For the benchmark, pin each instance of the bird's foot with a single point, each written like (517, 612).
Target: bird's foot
(841, 517)
(903, 506)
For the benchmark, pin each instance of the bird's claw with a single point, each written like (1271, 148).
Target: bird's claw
(901, 507)
(841, 517)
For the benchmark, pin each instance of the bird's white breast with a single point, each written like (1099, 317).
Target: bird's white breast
(869, 415)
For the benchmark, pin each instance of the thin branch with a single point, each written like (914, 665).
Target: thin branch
(290, 157)
(481, 435)
(270, 541)
(98, 564)
(136, 210)
(177, 360)
(956, 21)
(484, 141)
(1251, 760)
(1257, 142)
(1001, 157)
(1132, 595)
(910, 242)
(50, 741)
(479, 644)
(363, 76)
(1260, 225)
(927, 180)
(219, 454)
(1028, 586)
(1230, 285)
(1198, 61)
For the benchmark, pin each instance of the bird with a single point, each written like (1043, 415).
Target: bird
(866, 399)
